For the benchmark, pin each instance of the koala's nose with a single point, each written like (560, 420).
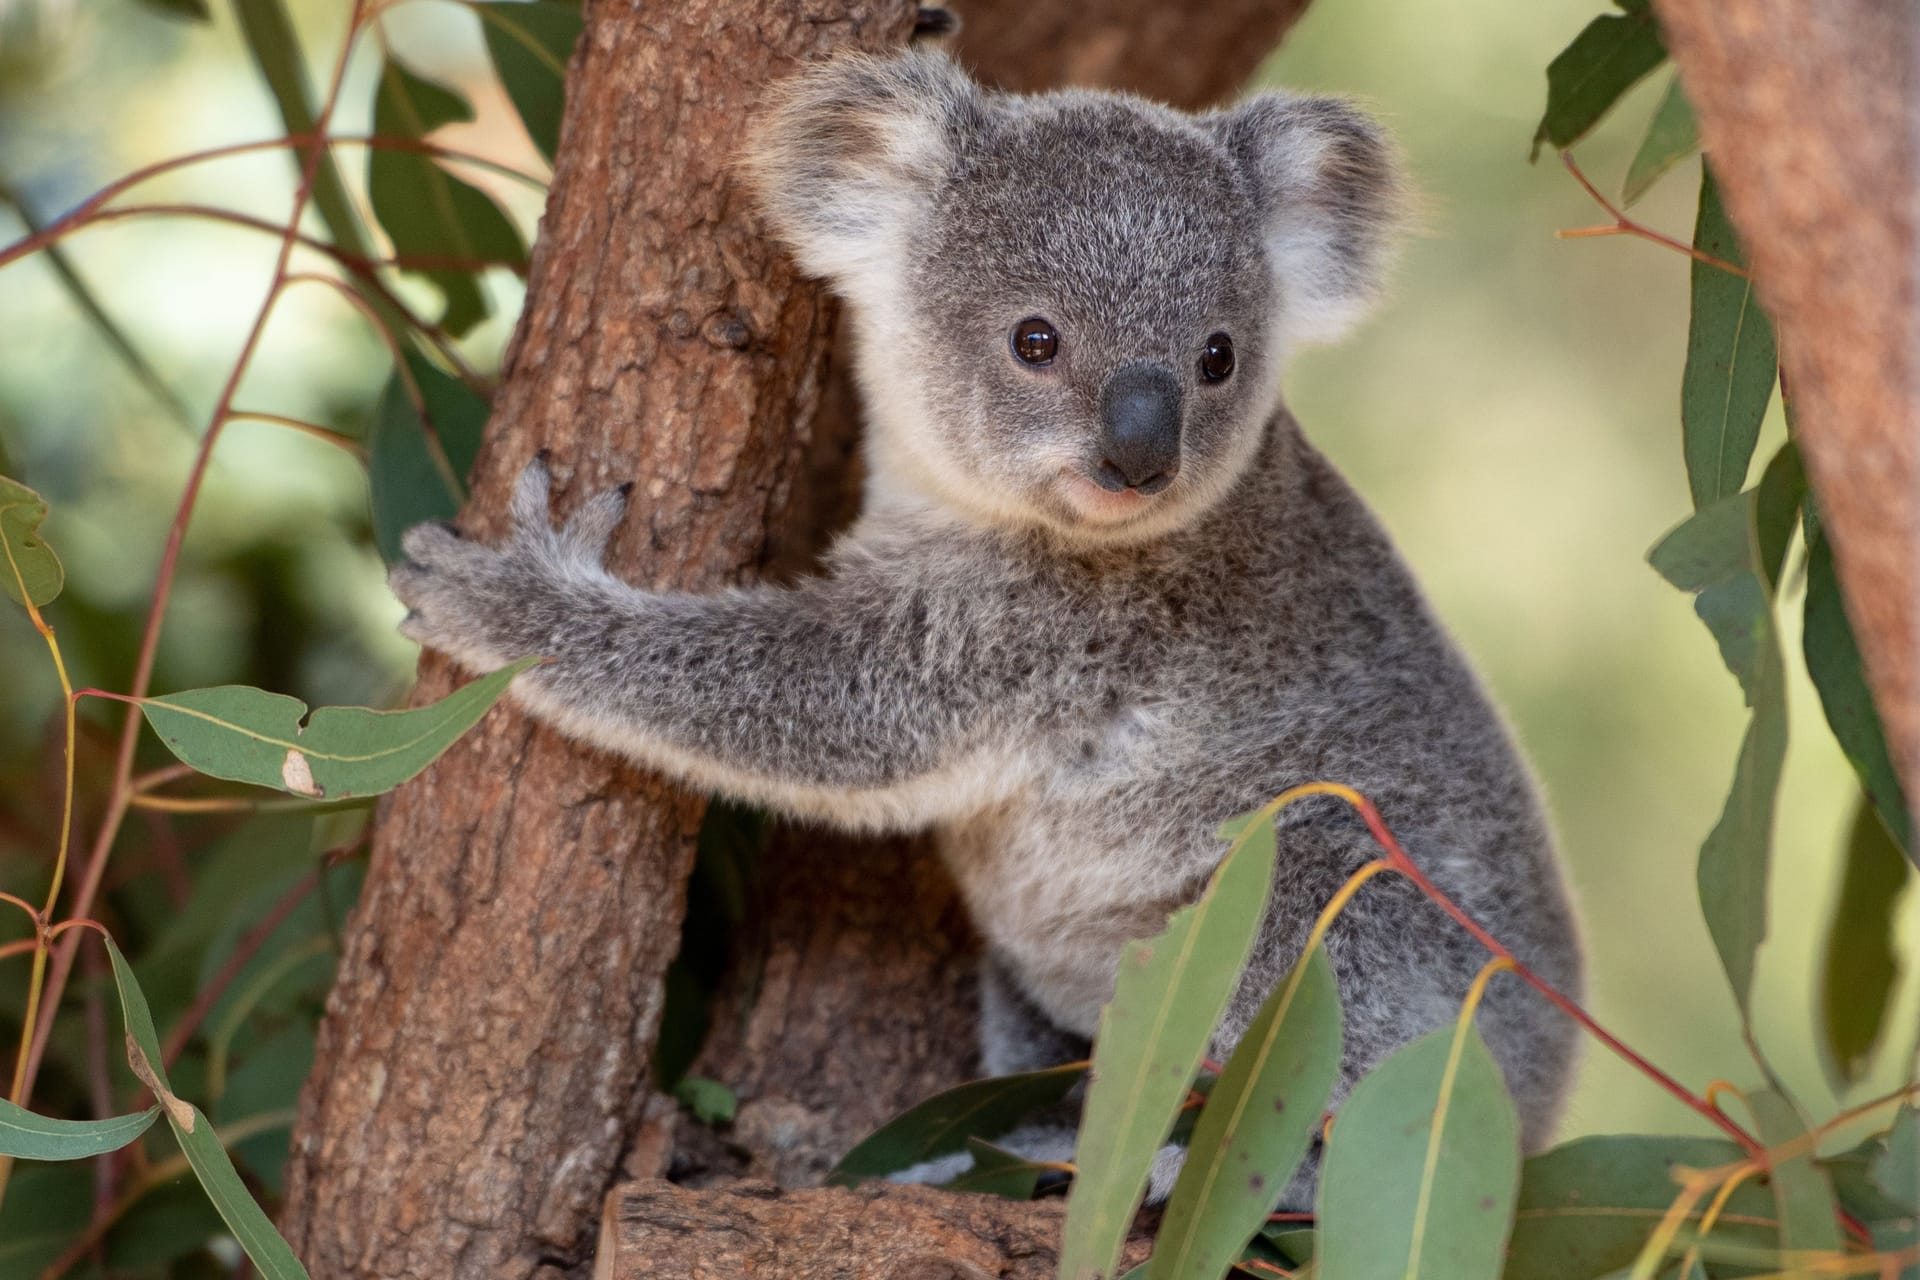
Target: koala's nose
(1139, 429)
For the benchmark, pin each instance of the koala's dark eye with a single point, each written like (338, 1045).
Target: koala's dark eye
(1216, 358)
(1035, 341)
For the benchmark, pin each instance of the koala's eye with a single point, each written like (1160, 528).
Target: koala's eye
(1035, 341)
(1216, 358)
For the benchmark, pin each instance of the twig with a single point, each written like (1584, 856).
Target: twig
(1625, 226)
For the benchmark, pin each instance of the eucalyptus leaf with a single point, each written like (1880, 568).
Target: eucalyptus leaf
(1833, 661)
(249, 735)
(1730, 368)
(711, 1102)
(418, 459)
(999, 1172)
(1420, 1176)
(530, 43)
(185, 10)
(425, 210)
(1802, 1191)
(1257, 1123)
(37, 1137)
(943, 1123)
(1858, 965)
(195, 1134)
(1672, 135)
(29, 571)
(1168, 997)
(1587, 1208)
(1606, 59)
(1729, 554)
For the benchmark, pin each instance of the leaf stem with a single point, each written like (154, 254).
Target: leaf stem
(1625, 226)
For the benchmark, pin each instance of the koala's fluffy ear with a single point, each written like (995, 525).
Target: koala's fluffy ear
(1329, 188)
(851, 150)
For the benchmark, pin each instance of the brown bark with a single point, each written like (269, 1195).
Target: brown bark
(657, 1231)
(1191, 55)
(486, 1049)
(1809, 113)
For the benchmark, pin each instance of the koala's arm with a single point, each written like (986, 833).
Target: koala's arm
(864, 698)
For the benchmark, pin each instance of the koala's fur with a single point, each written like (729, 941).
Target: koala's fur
(1073, 687)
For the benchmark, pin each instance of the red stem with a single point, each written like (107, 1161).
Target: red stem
(1405, 866)
(62, 967)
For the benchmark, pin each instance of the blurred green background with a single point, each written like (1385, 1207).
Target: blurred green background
(1512, 413)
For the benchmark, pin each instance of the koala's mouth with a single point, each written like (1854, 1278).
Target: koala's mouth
(1093, 498)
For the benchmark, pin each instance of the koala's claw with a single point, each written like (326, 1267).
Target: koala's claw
(530, 505)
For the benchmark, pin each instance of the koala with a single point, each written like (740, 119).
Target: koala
(1102, 593)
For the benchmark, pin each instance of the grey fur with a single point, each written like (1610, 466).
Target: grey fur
(1073, 689)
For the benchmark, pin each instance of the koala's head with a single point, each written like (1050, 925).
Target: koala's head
(1072, 307)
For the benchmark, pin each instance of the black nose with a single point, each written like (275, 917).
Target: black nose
(1139, 429)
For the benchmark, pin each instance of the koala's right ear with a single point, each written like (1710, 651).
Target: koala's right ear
(851, 151)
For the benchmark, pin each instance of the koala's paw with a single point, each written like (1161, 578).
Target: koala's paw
(486, 606)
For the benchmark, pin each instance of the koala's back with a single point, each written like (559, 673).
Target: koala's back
(1280, 641)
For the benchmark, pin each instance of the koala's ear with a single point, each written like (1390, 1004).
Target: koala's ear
(1329, 188)
(851, 151)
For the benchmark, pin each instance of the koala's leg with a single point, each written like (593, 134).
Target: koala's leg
(1015, 1035)
(860, 699)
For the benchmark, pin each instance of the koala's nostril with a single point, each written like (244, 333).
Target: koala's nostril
(1140, 427)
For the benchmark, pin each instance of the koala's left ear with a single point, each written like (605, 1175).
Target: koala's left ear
(852, 151)
(1329, 188)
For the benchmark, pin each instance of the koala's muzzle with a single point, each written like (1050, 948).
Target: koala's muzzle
(1139, 429)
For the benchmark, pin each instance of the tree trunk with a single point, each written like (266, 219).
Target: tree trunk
(657, 1231)
(486, 1049)
(1808, 111)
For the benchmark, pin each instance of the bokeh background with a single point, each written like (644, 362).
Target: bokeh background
(1512, 413)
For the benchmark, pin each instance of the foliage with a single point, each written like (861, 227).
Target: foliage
(235, 964)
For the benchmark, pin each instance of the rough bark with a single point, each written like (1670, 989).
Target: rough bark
(486, 1048)
(1191, 55)
(1809, 112)
(657, 1231)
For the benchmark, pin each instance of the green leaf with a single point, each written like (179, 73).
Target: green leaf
(1167, 999)
(199, 1143)
(1730, 361)
(36, 1137)
(425, 210)
(1587, 1208)
(248, 735)
(1587, 78)
(1858, 966)
(942, 1124)
(999, 1172)
(1420, 1178)
(1256, 1125)
(47, 1205)
(187, 10)
(1897, 1172)
(417, 469)
(1729, 553)
(28, 568)
(530, 44)
(1672, 136)
(1802, 1192)
(710, 1101)
(1833, 660)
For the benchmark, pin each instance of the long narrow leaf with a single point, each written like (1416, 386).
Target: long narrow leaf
(1167, 998)
(530, 44)
(1730, 554)
(268, 739)
(1256, 1125)
(943, 1123)
(1423, 1169)
(1859, 965)
(1802, 1191)
(1672, 135)
(1730, 368)
(194, 1132)
(37, 1137)
(1605, 60)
